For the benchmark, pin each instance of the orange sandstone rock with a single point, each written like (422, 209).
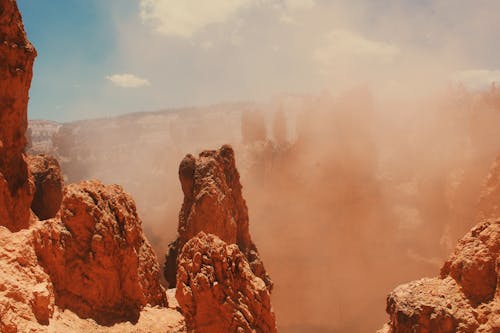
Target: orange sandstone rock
(16, 61)
(217, 290)
(464, 299)
(466, 296)
(213, 203)
(26, 292)
(98, 259)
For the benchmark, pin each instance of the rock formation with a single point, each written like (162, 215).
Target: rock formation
(48, 185)
(466, 296)
(26, 293)
(101, 265)
(91, 258)
(213, 203)
(16, 60)
(217, 290)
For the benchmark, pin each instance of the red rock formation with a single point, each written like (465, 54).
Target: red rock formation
(466, 296)
(213, 203)
(217, 290)
(97, 257)
(26, 293)
(92, 258)
(48, 185)
(464, 299)
(16, 61)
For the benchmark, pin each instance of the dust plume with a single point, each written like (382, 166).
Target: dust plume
(348, 194)
(363, 180)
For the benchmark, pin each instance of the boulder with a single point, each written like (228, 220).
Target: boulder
(98, 259)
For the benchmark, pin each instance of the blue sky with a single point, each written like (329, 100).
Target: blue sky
(102, 58)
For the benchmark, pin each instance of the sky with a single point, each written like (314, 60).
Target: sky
(100, 58)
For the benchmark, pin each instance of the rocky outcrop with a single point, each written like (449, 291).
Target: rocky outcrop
(465, 298)
(217, 290)
(26, 293)
(101, 265)
(16, 61)
(213, 203)
(48, 186)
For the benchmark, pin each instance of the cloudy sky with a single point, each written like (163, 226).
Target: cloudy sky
(99, 58)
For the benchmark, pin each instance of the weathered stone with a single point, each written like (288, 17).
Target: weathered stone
(16, 61)
(99, 261)
(218, 291)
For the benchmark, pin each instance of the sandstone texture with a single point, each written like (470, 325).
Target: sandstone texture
(49, 185)
(152, 320)
(213, 203)
(465, 298)
(16, 61)
(218, 291)
(98, 259)
(26, 292)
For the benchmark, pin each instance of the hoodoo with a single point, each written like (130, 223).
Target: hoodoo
(221, 283)
(16, 62)
(213, 203)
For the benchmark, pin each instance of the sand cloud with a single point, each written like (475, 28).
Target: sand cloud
(299, 4)
(477, 78)
(344, 46)
(184, 18)
(128, 80)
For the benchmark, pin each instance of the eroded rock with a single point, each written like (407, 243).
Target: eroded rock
(99, 261)
(16, 61)
(48, 185)
(213, 203)
(26, 292)
(217, 290)
(464, 299)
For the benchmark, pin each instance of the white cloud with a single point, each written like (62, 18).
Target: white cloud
(346, 47)
(477, 78)
(299, 4)
(184, 18)
(287, 19)
(128, 80)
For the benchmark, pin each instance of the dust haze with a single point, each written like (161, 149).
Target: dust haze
(362, 176)
(349, 193)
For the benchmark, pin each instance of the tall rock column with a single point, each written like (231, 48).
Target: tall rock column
(213, 203)
(221, 283)
(16, 62)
